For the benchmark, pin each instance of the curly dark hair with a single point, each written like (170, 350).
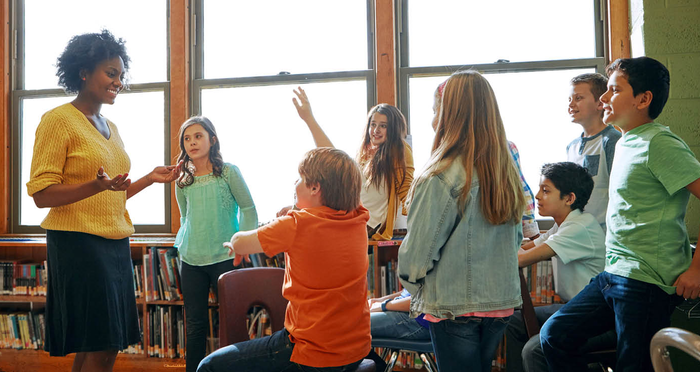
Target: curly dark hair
(85, 52)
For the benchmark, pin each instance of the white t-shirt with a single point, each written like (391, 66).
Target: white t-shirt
(376, 200)
(580, 247)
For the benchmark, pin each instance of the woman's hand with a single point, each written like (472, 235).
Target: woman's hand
(302, 105)
(119, 183)
(165, 174)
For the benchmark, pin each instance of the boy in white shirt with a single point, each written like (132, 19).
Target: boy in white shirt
(576, 245)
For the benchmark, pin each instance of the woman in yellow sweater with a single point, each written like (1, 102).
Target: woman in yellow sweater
(385, 159)
(80, 170)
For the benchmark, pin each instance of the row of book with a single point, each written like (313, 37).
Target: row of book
(539, 279)
(18, 278)
(22, 330)
(158, 278)
(166, 327)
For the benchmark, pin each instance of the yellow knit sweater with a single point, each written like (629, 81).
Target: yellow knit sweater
(69, 150)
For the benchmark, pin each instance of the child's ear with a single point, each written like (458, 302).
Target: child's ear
(644, 100)
(599, 106)
(570, 199)
(315, 188)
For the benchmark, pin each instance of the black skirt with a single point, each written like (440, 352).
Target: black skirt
(90, 303)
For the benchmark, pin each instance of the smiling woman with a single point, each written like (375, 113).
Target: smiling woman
(80, 170)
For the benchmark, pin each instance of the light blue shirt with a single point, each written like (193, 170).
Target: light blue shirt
(210, 209)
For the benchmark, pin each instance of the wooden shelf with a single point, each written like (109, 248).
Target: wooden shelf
(12, 360)
(22, 299)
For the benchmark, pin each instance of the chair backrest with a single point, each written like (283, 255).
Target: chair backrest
(675, 337)
(241, 289)
(528, 310)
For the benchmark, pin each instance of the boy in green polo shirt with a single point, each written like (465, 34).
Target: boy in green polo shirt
(648, 255)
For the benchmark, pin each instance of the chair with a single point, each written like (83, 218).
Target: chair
(675, 337)
(393, 346)
(241, 289)
(603, 358)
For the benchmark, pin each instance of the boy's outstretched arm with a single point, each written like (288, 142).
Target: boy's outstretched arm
(688, 283)
(535, 255)
(304, 110)
(242, 244)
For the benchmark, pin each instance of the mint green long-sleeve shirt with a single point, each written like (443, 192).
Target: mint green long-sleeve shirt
(212, 209)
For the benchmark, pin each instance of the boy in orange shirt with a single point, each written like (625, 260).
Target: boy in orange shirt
(327, 324)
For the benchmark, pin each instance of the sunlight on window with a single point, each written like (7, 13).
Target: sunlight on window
(449, 32)
(50, 24)
(533, 107)
(255, 38)
(141, 124)
(262, 134)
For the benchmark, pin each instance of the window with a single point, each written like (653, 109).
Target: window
(43, 30)
(248, 60)
(527, 50)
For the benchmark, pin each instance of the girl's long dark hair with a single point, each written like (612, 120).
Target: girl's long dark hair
(217, 162)
(389, 157)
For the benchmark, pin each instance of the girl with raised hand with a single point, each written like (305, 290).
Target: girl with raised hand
(385, 159)
(214, 204)
(459, 258)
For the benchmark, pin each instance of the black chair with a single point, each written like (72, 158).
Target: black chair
(604, 359)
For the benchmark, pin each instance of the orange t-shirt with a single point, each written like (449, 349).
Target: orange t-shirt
(325, 281)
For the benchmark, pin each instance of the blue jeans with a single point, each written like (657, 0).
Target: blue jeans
(636, 310)
(467, 343)
(397, 325)
(526, 355)
(271, 353)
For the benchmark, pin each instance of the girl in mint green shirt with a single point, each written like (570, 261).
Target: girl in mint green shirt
(214, 204)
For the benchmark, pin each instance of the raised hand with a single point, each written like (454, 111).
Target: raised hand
(302, 105)
(120, 182)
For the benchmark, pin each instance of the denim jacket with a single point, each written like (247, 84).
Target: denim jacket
(453, 264)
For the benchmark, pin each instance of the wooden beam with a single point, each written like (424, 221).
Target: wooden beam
(385, 51)
(5, 119)
(179, 86)
(619, 29)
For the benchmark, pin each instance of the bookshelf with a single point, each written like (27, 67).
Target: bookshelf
(32, 249)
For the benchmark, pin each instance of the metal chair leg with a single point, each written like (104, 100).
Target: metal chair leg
(392, 361)
(428, 362)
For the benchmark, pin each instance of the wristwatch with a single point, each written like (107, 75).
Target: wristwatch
(384, 304)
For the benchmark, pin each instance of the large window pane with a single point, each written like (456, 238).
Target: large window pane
(261, 133)
(256, 38)
(458, 32)
(140, 120)
(50, 24)
(533, 107)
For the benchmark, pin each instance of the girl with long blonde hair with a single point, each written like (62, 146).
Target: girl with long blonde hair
(459, 259)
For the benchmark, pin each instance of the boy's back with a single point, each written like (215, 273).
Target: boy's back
(325, 283)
